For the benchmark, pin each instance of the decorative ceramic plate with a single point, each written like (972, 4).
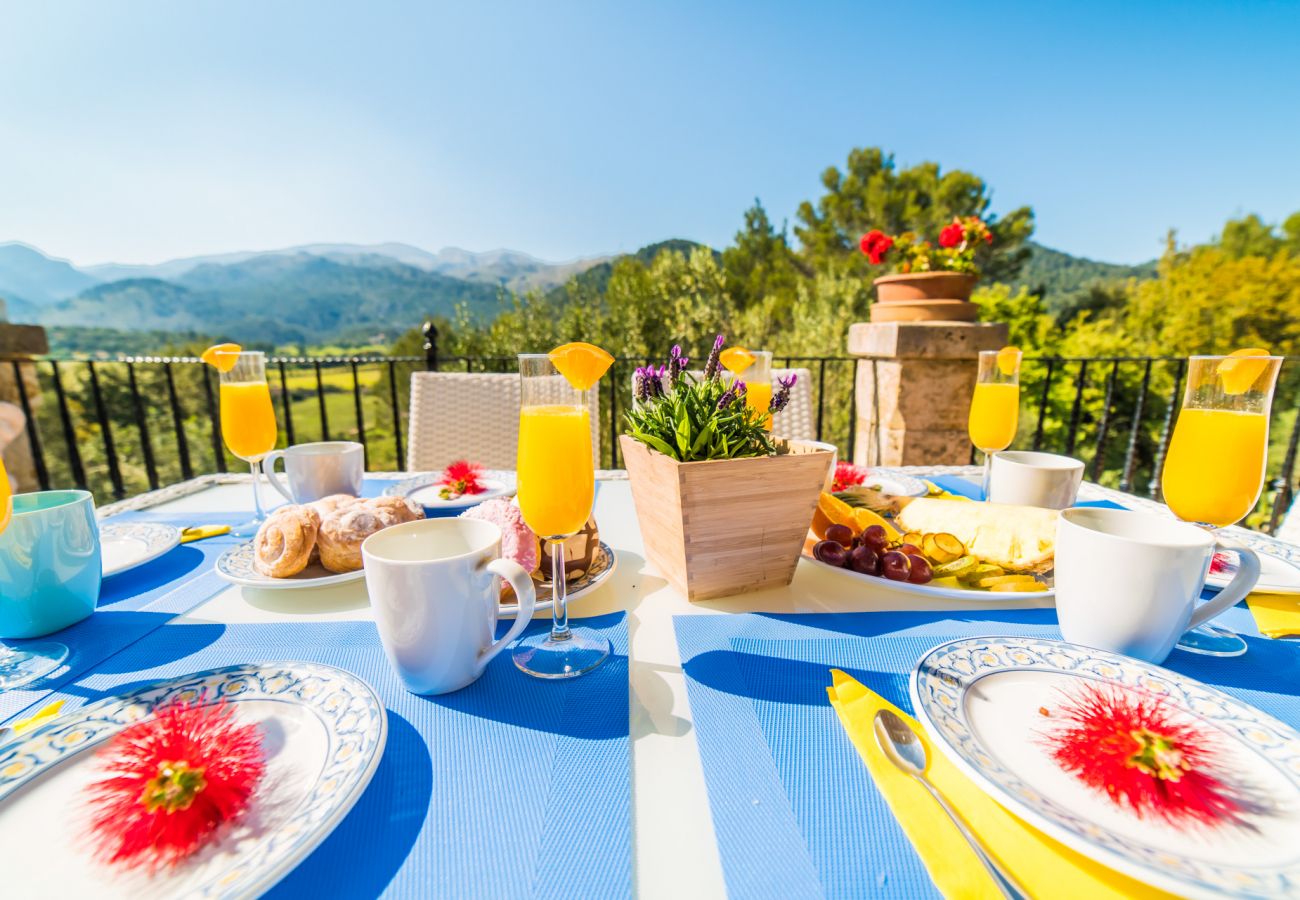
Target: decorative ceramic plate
(888, 481)
(1276, 576)
(602, 567)
(424, 487)
(324, 733)
(236, 566)
(980, 699)
(125, 545)
(931, 591)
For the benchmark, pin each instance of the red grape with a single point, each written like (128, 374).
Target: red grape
(876, 538)
(909, 549)
(895, 566)
(831, 552)
(920, 573)
(840, 534)
(863, 559)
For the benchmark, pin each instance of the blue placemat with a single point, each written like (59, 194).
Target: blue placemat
(955, 484)
(512, 787)
(795, 811)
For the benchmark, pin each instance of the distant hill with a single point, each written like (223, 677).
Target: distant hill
(596, 277)
(298, 298)
(1067, 280)
(29, 278)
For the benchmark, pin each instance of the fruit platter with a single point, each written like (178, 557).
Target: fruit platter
(940, 545)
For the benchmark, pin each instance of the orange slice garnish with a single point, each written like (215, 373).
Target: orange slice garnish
(580, 363)
(736, 359)
(1241, 368)
(222, 357)
(1009, 360)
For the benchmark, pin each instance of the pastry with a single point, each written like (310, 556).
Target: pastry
(284, 543)
(517, 540)
(343, 530)
(326, 505)
(579, 552)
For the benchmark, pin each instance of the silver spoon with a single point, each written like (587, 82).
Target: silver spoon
(900, 743)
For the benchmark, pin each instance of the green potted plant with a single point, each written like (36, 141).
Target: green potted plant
(928, 283)
(723, 506)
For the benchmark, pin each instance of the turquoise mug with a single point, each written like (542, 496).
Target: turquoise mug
(50, 566)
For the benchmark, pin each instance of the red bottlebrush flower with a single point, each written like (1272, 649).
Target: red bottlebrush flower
(461, 477)
(874, 245)
(176, 778)
(1220, 562)
(847, 475)
(952, 235)
(1129, 747)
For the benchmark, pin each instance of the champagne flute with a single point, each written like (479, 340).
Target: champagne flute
(1214, 468)
(758, 385)
(995, 405)
(557, 486)
(248, 421)
(34, 660)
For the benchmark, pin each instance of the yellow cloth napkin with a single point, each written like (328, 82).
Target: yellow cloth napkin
(1276, 615)
(1043, 866)
(39, 718)
(199, 532)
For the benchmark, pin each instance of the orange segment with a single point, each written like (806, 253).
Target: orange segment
(1009, 360)
(222, 357)
(581, 363)
(736, 359)
(864, 518)
(1241, 368)
(831, 510)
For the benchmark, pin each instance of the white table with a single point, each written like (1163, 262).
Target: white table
(676, 853)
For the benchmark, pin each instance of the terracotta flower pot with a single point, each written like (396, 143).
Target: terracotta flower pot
(914, 286)
(725, 526)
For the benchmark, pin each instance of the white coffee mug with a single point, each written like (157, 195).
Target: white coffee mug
(1026, 478)
(317, 470)
(1128, 581)
(435, 585)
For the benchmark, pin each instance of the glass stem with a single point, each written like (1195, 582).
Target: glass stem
(257, 495)
(560, 592)
(988, 472)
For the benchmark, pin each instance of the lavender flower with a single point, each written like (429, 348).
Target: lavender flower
(639, 385)
(728, 397)
(711, 367)
(741, 388)
(782, 396)
(654, 385)
(676, 365)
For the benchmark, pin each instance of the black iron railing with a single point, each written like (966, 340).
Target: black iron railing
(122, 426)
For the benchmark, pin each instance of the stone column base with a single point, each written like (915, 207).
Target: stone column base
(914, 385)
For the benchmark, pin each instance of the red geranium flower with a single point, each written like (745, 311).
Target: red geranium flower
(874, 245)
(847, 475)
(952, 235)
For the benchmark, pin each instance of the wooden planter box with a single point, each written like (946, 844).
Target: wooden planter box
(725, 526)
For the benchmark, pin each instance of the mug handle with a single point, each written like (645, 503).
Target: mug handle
(1242, 583)
(268, 469)
(522, 583)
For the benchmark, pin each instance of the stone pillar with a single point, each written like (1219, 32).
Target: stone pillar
(19, 342)
(914, 386)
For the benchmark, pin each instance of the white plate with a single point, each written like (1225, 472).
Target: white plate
(236, 566)
(931, 591)
(125, 545)
(423, 489)
(603, 567)
(1276, 576)
(979, 700)
(324, 730)
(896, 483)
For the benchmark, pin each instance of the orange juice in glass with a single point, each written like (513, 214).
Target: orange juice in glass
(754, 368)
(6, 497)
(1214, 467)
(995, 405)
(247, 419)
(556, 489)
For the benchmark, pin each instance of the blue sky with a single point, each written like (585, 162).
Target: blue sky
(137, 132)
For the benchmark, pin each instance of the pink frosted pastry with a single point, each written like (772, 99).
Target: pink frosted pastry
(517, 540)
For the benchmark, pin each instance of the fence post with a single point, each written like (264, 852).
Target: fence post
(913, 387)
(430, 346)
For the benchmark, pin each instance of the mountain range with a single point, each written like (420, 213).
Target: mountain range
(309, 294)
(349, 293)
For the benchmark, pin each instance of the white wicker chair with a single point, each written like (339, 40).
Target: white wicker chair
(457, 415)
(797, 421)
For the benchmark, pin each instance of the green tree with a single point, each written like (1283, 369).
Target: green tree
(873, 193)
(761, 264)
